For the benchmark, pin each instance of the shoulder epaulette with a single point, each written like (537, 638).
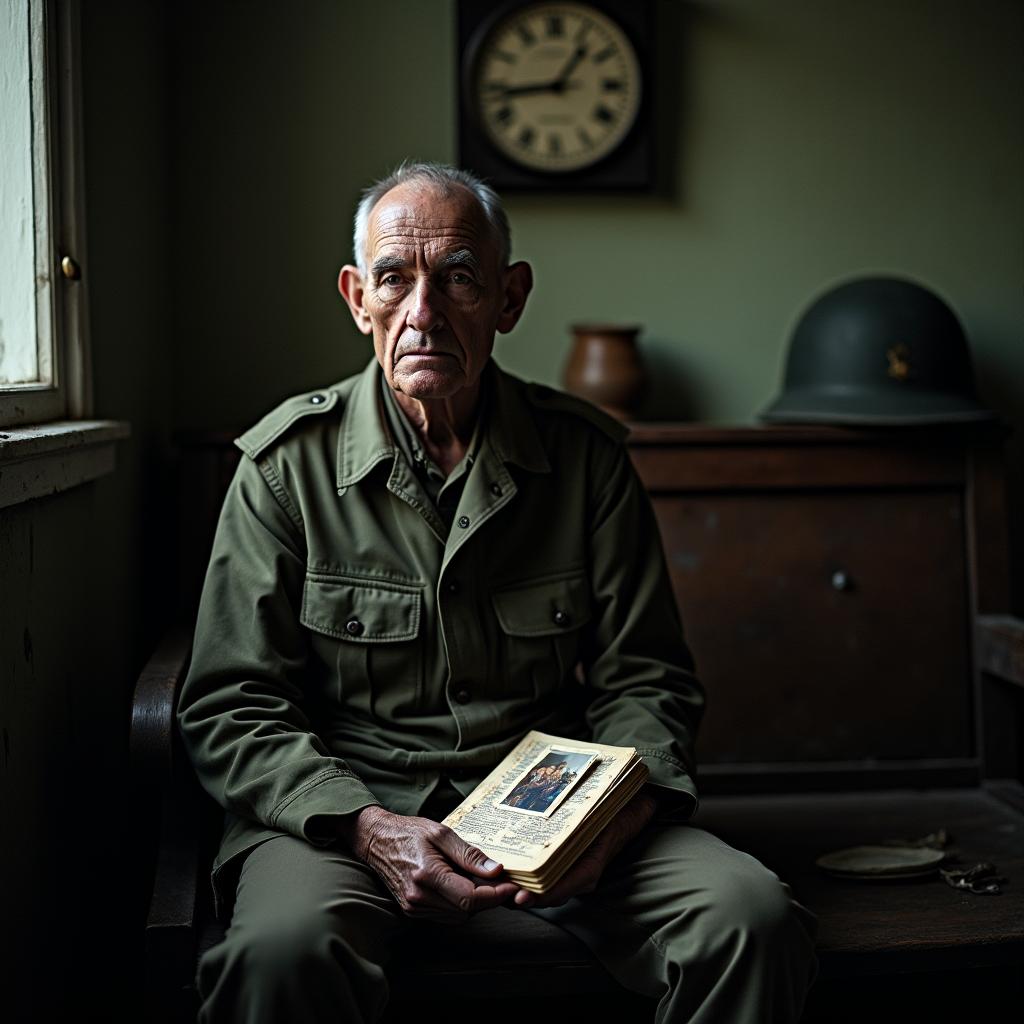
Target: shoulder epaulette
(551, 399)
(257, 439)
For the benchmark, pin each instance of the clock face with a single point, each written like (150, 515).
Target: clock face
(556, 86)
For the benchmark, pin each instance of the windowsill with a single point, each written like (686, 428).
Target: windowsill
(36, 461)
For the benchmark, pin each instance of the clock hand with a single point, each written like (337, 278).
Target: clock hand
(525, 90)
(577, 56)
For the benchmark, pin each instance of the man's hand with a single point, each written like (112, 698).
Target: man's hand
(431, 872)
(584, 875)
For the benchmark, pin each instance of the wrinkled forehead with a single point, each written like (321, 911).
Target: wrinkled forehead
(415, 218)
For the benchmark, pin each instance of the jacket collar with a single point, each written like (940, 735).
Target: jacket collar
(512, 430)
(364, 441)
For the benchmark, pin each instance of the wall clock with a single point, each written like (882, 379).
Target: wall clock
(555, 95)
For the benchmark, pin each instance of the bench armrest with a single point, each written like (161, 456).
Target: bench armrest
(163, 781)
(151, 740)
(1000, 641)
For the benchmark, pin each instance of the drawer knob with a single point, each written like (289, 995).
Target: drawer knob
(841, 580)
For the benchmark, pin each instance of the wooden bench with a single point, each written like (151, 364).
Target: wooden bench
(835, 586)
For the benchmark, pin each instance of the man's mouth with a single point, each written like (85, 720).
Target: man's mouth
(423, 354)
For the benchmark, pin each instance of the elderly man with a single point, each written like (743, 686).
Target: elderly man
(412, 569)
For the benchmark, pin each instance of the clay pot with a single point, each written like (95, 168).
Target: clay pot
(605, 368)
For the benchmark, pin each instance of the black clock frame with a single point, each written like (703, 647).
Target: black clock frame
(629, 167)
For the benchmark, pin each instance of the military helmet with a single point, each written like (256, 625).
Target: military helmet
(878, 351)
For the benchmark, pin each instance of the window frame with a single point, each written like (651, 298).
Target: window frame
(59, 210)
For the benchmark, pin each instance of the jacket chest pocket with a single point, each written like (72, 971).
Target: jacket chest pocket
(540, 631)
(368, 632)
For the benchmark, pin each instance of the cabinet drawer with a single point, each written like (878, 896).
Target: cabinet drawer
(827, 626)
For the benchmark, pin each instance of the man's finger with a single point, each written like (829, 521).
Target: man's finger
(467, 857)
(428, 903)
(471, 897)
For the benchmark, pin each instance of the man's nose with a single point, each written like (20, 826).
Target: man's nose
(425, 312)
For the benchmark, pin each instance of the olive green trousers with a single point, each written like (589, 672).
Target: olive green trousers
(679, 916)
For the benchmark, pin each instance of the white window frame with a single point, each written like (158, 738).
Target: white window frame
(48, 440)
(64, 390)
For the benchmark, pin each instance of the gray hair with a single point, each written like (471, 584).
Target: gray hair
(445, 179)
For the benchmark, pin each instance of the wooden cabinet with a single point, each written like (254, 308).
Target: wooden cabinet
(828, 581)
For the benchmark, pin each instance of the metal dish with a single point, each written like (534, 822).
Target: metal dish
(881, 862)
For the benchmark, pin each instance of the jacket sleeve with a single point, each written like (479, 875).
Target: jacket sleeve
(644, 692)
(241, 707)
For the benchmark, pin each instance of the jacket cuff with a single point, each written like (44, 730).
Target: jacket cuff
(314, 811)
(675, 787)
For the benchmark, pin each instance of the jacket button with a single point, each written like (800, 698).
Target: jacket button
(463, 696)
(452, 586)
(464, 521)
(317, 399)
(560, 618)
(354, 627)
(496, 490)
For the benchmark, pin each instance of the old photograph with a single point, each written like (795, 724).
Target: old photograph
(543, 786)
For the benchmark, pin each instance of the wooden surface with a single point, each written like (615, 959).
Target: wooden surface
(42, 460)
(867, 927)
(742, 468)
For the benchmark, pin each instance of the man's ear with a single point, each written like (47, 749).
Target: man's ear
(518, 282)
(350, 284)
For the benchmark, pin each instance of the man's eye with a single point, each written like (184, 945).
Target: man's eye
(460, 278)
(391, 280)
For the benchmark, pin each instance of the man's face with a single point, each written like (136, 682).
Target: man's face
(434, 291)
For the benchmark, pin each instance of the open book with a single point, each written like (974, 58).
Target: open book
(545, 803)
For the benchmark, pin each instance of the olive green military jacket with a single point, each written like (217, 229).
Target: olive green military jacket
(351, 650)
